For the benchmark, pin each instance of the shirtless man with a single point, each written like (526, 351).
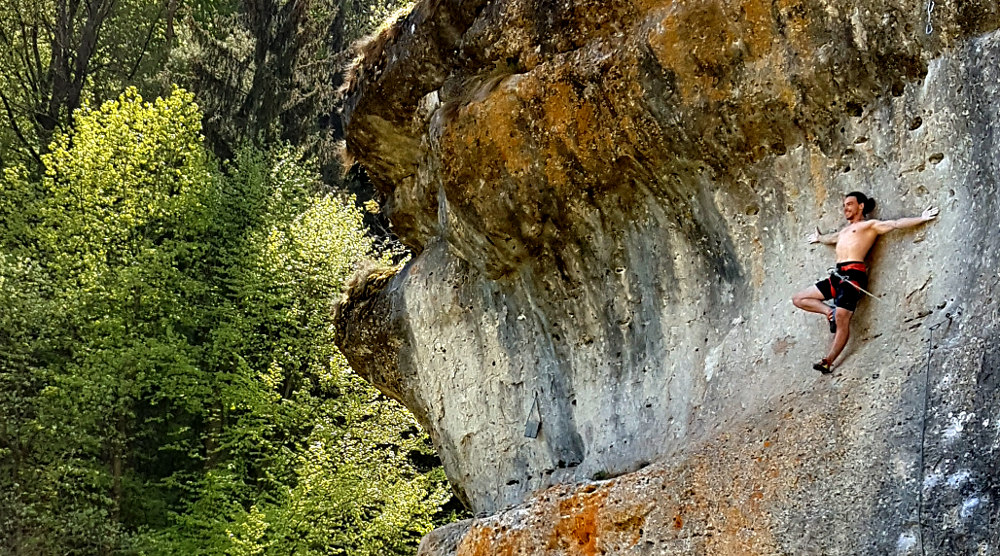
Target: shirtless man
(845, 286)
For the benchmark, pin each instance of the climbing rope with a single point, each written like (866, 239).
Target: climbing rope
(923, 433)
(833, 271)
(930, 24)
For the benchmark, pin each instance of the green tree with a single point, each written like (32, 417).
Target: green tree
(100, 243)
(170, 381)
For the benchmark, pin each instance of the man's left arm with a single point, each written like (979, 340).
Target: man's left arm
(883, 226)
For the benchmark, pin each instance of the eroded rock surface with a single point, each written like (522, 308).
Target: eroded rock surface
(608, 202)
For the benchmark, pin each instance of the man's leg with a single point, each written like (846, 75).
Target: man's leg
(811, 299)
(843, 317)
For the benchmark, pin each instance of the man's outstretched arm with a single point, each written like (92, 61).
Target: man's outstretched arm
(884, 226)
(828, 239)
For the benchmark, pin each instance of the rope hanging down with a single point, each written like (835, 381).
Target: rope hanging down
(923, 434)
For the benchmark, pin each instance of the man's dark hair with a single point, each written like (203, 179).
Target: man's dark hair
(867, 205)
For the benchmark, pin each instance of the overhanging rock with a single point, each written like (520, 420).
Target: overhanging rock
(608, 202)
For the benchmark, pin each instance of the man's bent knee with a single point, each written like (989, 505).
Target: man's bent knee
(799, 298)
(843, 316)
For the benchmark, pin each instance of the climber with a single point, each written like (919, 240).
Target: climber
(846, 284)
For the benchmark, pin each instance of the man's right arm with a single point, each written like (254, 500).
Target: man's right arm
(828, 239)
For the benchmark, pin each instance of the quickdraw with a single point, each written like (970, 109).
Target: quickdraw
(930, 24)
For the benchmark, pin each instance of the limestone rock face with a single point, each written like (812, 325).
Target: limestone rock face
(608, 202)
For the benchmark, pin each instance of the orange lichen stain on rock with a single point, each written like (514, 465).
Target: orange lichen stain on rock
(559, 104)
(754, 480)
(818, 174)
(585, 119)
(484, 540)
(579, 522)
(692, 43)
(534, 123)
(795, 19)
(759, 25)
(490, 124)
(477, 542)
(705, 43)
(559, 109)
(576, 532)
(579, 117)
(571, 137)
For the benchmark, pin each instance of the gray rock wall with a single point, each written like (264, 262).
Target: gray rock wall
(619, 239)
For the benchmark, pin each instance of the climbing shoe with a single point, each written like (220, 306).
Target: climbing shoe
(824, 366)
(833, 321)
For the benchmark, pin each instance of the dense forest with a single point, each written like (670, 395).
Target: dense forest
(175, 226)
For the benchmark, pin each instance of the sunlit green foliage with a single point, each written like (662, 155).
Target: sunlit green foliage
(168, 379)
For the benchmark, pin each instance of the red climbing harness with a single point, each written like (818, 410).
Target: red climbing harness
(858, 266)
(853, 266)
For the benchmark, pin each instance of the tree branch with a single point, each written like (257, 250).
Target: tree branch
(145, 44)
(17, 129)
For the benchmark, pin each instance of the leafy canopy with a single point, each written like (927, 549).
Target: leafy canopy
(170, 383)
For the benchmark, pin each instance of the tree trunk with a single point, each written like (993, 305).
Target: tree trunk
(70, 60)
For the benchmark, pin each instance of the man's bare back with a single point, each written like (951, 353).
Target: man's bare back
(852, 245)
